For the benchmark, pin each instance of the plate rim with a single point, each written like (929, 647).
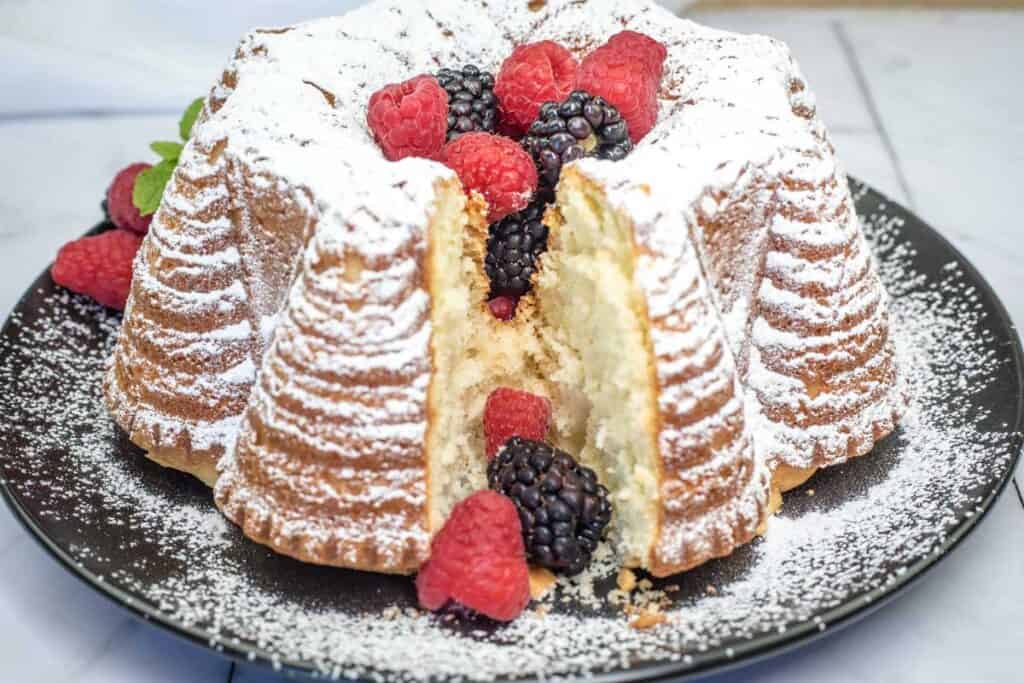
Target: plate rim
(756, 649)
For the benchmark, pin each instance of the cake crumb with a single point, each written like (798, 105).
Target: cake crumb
(627, 580)
(672, 588)
(774, 505)
(645, 584)
(649, 618)
(810, 492)
(711, 590)
(541, 582)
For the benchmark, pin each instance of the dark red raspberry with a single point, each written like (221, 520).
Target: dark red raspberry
(503, 307)
(99, 267)
(496, 167)
(478, 560)
(409, 119)
(122, 211)
(510, 412)
(626, 71)
(532, 75)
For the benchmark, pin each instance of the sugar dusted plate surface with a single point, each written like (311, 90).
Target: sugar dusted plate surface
(846, 541)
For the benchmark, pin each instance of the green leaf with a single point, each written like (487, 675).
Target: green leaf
(188, 119)
(149, 186)
(169, 151)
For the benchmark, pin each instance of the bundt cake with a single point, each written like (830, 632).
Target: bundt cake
(707, 311)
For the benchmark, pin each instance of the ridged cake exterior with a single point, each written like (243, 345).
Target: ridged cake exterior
(713, 491)
(740, 152)
(209, 279)
(330, 465)
(282, 158)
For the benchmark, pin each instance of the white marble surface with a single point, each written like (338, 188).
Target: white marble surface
(925, 106)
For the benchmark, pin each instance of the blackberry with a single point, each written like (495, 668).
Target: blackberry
(562, 508)
(513, 246)
(472, 105)
(581, 126)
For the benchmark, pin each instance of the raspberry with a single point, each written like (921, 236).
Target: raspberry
(99, 266)
(503, 307)
(478, 560)
(626, 71)
(497, 168)
(509, 412)
(643, 48)
(532, 75)
(119, 204)
(409, 119)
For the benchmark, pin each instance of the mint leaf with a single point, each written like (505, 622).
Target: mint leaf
(188, 119)
(169, 151)
(150, 184)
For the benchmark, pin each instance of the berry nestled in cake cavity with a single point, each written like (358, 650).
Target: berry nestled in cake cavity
(99, 267)
(119, 207)
(409, 119)
(514, 245)
(477, 559)
(562, 507)
(581, 126)
(472, 105)
(497, 168)
(626, 71)
(510, 412)
(532, 75)
(503, 307)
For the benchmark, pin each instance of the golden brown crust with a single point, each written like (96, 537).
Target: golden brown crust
(200, 468)
(785, 477)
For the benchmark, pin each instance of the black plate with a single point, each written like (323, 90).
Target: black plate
(852, 538)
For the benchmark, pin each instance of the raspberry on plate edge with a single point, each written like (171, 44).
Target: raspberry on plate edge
(99, 266)
(478, 560)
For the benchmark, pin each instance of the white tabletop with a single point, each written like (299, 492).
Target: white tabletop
(924, 106)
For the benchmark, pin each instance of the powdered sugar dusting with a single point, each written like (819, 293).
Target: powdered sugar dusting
(871, 523)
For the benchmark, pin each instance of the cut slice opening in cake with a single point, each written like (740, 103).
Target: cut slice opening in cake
(580, 339)
(472, 353)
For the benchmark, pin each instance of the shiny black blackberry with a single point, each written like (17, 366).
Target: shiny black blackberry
(581, 126)
(472, 105)
(562, 507)
(513, 246)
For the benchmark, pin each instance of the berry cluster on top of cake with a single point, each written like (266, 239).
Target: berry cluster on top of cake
(454, 289)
